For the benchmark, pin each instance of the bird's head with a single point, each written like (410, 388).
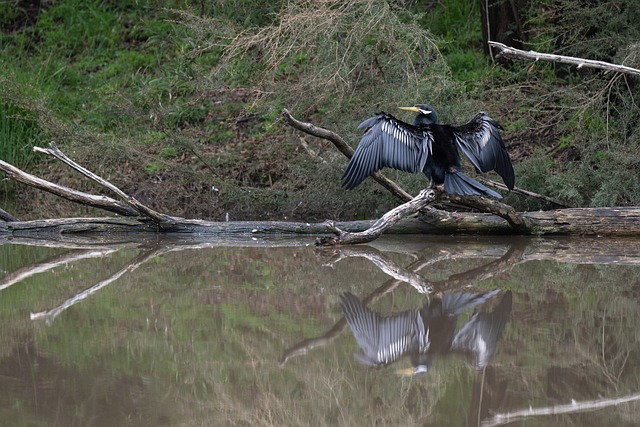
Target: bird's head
(425, 115)
(410, 372)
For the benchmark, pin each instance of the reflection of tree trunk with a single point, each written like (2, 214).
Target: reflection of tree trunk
(501, 22)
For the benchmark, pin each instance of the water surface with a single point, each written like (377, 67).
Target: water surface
(251, 332)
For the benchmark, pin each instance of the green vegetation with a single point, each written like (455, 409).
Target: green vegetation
(179, 100)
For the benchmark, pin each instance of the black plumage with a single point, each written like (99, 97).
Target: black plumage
(427, 332)
(433, 149)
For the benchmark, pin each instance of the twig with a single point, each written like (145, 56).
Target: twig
(580, 62)
(527, 193)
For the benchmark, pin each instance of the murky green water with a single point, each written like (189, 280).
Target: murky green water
(169, 332)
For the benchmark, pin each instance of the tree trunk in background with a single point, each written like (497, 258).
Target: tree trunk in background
(502, 21)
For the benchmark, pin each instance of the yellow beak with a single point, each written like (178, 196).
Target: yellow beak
(414, 109)
(405, 372)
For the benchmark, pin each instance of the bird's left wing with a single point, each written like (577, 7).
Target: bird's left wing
(383, 340)
(482, 144)
(387, 142)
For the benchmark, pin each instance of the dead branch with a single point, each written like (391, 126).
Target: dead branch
(345, 149)
(580, 62)
(522, 192)
(163, 221)
(425, 197)
(100, 202)
(483, 204)
(6, 216)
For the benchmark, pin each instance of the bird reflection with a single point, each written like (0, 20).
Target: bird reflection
(429, 331)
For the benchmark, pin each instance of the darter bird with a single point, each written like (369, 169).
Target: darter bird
(433, 149)
(430, 331)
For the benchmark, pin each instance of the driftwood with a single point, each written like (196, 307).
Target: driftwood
(134, 217)
(579, 62)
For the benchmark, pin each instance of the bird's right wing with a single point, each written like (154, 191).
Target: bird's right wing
(479, 336)
(482, 144)
(455, 303)
(387, 142)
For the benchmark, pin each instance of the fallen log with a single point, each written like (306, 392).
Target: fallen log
(137, 218)
(623, 221)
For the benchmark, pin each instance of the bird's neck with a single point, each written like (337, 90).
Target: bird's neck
(425, 119)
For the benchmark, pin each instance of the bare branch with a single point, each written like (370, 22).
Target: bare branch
(100, 202)
(569, 408)
(527, 193)
(6, 216)
(162, 220)
(345, 149)
(425, 197)
(580, 62)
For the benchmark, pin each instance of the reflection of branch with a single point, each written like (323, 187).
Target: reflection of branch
(570, 408)
(305, 346)
(50, 263)
(510, 258)
(385, 264)
(402, 275)
(51, 314)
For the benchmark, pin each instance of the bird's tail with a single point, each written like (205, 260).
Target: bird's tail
(456, 182)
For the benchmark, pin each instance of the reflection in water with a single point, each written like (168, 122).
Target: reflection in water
(190, 333)
(428, 332)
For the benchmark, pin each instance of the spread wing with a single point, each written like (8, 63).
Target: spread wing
(387, 142)
(481, 143)
(479, 336)
(383, 340)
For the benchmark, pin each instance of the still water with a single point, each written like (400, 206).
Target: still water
(510, 331)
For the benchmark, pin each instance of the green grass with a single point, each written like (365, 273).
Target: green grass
(154, 87)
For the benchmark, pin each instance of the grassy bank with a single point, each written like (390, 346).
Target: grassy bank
(178, 102)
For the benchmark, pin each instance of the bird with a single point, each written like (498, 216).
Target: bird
(423, 333)
(433, 149)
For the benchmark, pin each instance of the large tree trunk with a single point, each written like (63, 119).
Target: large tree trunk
(502, 22)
